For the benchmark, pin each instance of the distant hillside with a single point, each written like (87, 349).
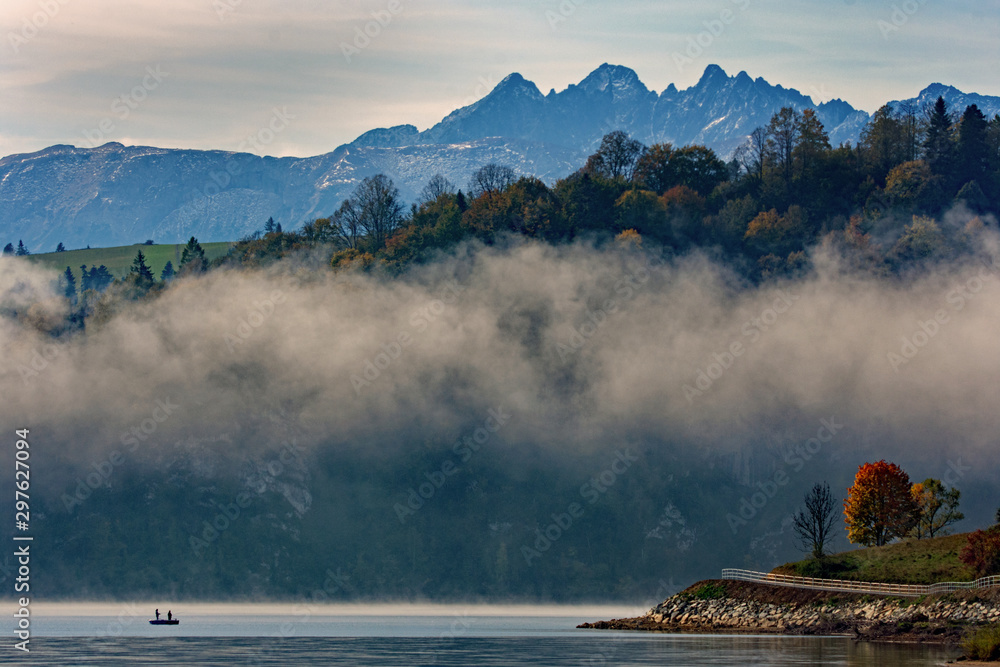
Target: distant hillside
(119, 259)
(925, 561)
(114, 195)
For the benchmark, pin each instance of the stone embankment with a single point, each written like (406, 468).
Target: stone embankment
(743, 607)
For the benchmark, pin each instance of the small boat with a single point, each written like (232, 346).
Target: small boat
(163, 621)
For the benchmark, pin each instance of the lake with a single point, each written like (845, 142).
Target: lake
(364, 635)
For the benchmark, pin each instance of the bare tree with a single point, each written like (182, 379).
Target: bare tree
(437, 186)
(347, 223)
(371, 214)
(752, 154)
(616, 157)
(491, 178)
(814, 524)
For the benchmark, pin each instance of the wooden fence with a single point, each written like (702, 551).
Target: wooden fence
(902, 590)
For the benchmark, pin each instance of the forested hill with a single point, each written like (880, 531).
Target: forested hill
(601, 388)
(116, 195)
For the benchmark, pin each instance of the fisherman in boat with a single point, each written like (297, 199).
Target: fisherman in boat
(169, 615)
(157, 614)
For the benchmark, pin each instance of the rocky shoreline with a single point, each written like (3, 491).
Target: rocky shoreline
(733, 607)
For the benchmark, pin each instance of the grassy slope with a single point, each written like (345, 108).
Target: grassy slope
(908, 562)
(119, 259)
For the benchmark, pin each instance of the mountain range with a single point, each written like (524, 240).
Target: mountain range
(117, 195)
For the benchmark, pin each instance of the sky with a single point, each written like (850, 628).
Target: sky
(301, 77)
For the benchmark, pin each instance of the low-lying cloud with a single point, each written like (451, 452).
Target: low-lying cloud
(583, 347)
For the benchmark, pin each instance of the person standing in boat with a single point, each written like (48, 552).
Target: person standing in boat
(157, 614)
(169, 615)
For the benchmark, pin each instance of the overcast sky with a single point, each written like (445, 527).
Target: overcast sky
(208, 74)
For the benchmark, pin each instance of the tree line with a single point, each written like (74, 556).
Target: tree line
(882, 505)
(881, 204)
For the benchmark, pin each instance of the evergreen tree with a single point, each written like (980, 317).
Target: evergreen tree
(973, 158)
(86, 282)
(8, 249)
(60, 248)
(100, 278)
(938, 146)
(268, 226)
(69, 285)
(144, 277)
(168, 272)
(21, 250)
(193, 257)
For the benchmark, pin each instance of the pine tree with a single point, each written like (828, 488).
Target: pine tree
(21, 250)
(70, 285)
(8, 249)
(168, 272)
(972, 152)
(60, 248)
(269, 226)
(938, 146)
(141, 270)
(100, 278)
(86, 282)
(193, 258)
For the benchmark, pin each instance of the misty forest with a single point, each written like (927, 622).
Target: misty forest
(601, 388)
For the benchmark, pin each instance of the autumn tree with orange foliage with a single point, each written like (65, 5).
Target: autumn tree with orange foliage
(879, 507)
(982, 552)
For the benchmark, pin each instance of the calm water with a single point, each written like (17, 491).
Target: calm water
(462, 638)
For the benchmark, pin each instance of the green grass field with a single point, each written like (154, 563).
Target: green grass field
(119, 259)
(908, 562)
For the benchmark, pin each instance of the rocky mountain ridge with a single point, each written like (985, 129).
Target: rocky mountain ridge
(118, 195)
